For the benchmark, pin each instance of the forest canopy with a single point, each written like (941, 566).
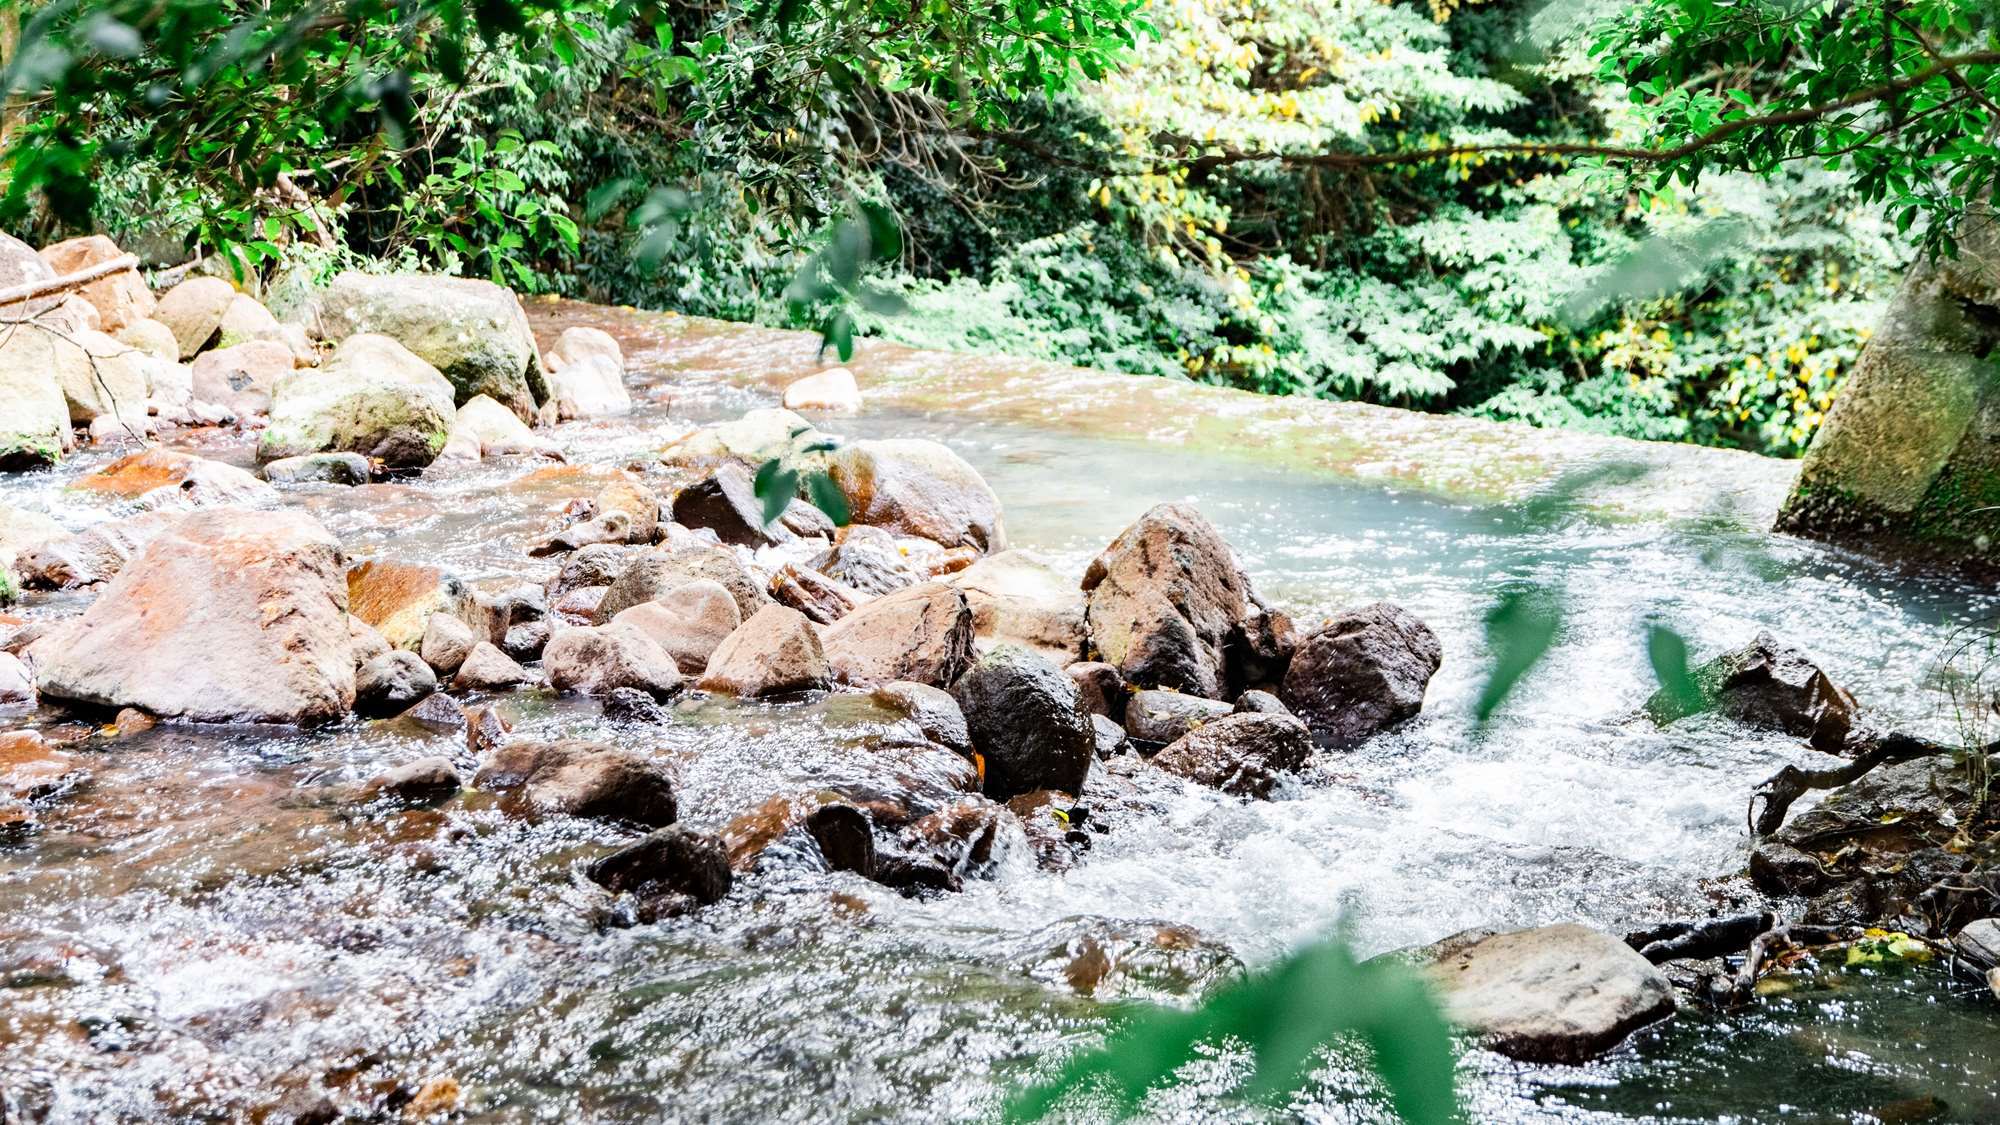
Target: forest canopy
(1672, 219)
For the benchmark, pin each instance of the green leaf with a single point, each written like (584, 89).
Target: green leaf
(827, 497)
(1669, 656)
(1520, 628)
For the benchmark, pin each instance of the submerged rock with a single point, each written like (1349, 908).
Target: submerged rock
(1168, 606)
(919, 487)
(425, 781)
(1024, 718)
(670, 871)
(1361, 673)
(1241, 754)
(474, 333)
(372, 396)
(1770, 685)
(922, 634)
(599, 660)
(1557, 994)
(775, 652)
(228, 616)
(579, 778)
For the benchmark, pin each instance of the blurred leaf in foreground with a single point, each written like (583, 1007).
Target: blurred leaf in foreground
(1520, 628)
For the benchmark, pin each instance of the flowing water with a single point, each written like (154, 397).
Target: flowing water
(212, 926)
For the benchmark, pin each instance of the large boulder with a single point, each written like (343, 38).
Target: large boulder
(473, 332)
(1025, 720)
(1361, 673)
(1019, 597)
(34, 417)
(598, 660)
(774, 652)
(578, 778)
(21, 265)
(1242, 754)
(690, 622)
(756, 437)
(168, 479)
(372, 397)
(1557, 994)
(91, 373)
(1168, 606)
(227, 616)
(119, 298)
(922, 634)
(587, 375)
(1766, 684)
(662, 571)
(241, 378)
(919, 487)
(193, 310)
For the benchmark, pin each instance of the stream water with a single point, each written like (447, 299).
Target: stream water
(212, 926)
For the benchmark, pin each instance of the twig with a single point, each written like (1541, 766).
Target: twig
(28, 291)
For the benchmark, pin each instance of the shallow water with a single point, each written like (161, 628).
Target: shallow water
(212, 923)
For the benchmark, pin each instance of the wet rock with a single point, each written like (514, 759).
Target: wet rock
(484, 729)
(425, 781)
(915, 486)
(34, 417)
(526, 640)
(579, 607)
(1023, 714)
(1261, 703)
(372, 396)
(598, 564)
(1770, 685)
(319, 468)
(832, 390)
(922, 634)
(392, 683)
(22, 530)
(486, 668)
(868, 559)
(775, 652)
(932, 709)
(33, 772)
(1557, 994)
(672, 863)
(631, 705)
(1361, 673)
(587, 375)
(1111, 738)
(474, 333)
(437, 712)
(1243, 754)
(447, 641)
(661, 572)
(814, 594)
(399, 599)
(95, 554)
(120, 298)
(131, 722)
(484, 428)
(845, 837)
(497, 609)
(690, 622)
(240, 379)
(1099, 688)
(1979, 943)
(1168, 606)
(1785, 870)
(1019, 597)
(228, 616)
(17, 686)
(599, 660)
(166, 479)
(624, 510)
(193, 311)
(1159, 717)
(753, 439)
(726, 503)
(578, 778)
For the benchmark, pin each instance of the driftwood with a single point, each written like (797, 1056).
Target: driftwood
(1789, 784)
(1716, 937)
(28, 291)
(1735, 990)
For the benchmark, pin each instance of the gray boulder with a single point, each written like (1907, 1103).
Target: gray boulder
(372, 397)
(664, 571)
(391, 684)
(1159, 717)
(1361, 673)
(1770, 685)
(1243, 754)
(475, 333)
(1557, 994)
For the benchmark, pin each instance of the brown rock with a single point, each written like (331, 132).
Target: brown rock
(578, 778)
(663, 571)
(398, 599)
(918, 487)
(164, 478)
(1019, 597)
(599, 660)
(775, 652)
(1241, 754)
(690, 621)
(922, 634)
(486, 668)
(1361, 673)
(446, 642)
(1771, 685)
(193, 310)
(119, 298)
(1100, 688)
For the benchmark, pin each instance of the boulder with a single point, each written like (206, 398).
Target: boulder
(242, 378)
(690, 622)
(669, 871)
(1159, 717)
(246, 320)
(753, 439)
(34, 417)
(587, 375)
(399, 598)
(726, 503)
(774, 652)
(319, 468)
(372, 397)
(1557, 994)
(1261, 703)
(870, 560)
(486, 668)
(487, 429)
(1100, 687)
(391, 684)
(120, 298)
(932, 709)
(1241, 754)
(1168, 606)
(922, 634)
(193, 311)
(830, 390)
(598, 564)
(663, 571)
(149, 336)
(1361, 673)
(20, 265)
(425, 781)
(227, 616)
(17, 685)
(599, 660)
(1019, 597)
(578, 778)
(98, 376)
(1025, 721)
(1770, 685)
(474, 333)
(919, 487)
(438, 713)
(167, 479)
